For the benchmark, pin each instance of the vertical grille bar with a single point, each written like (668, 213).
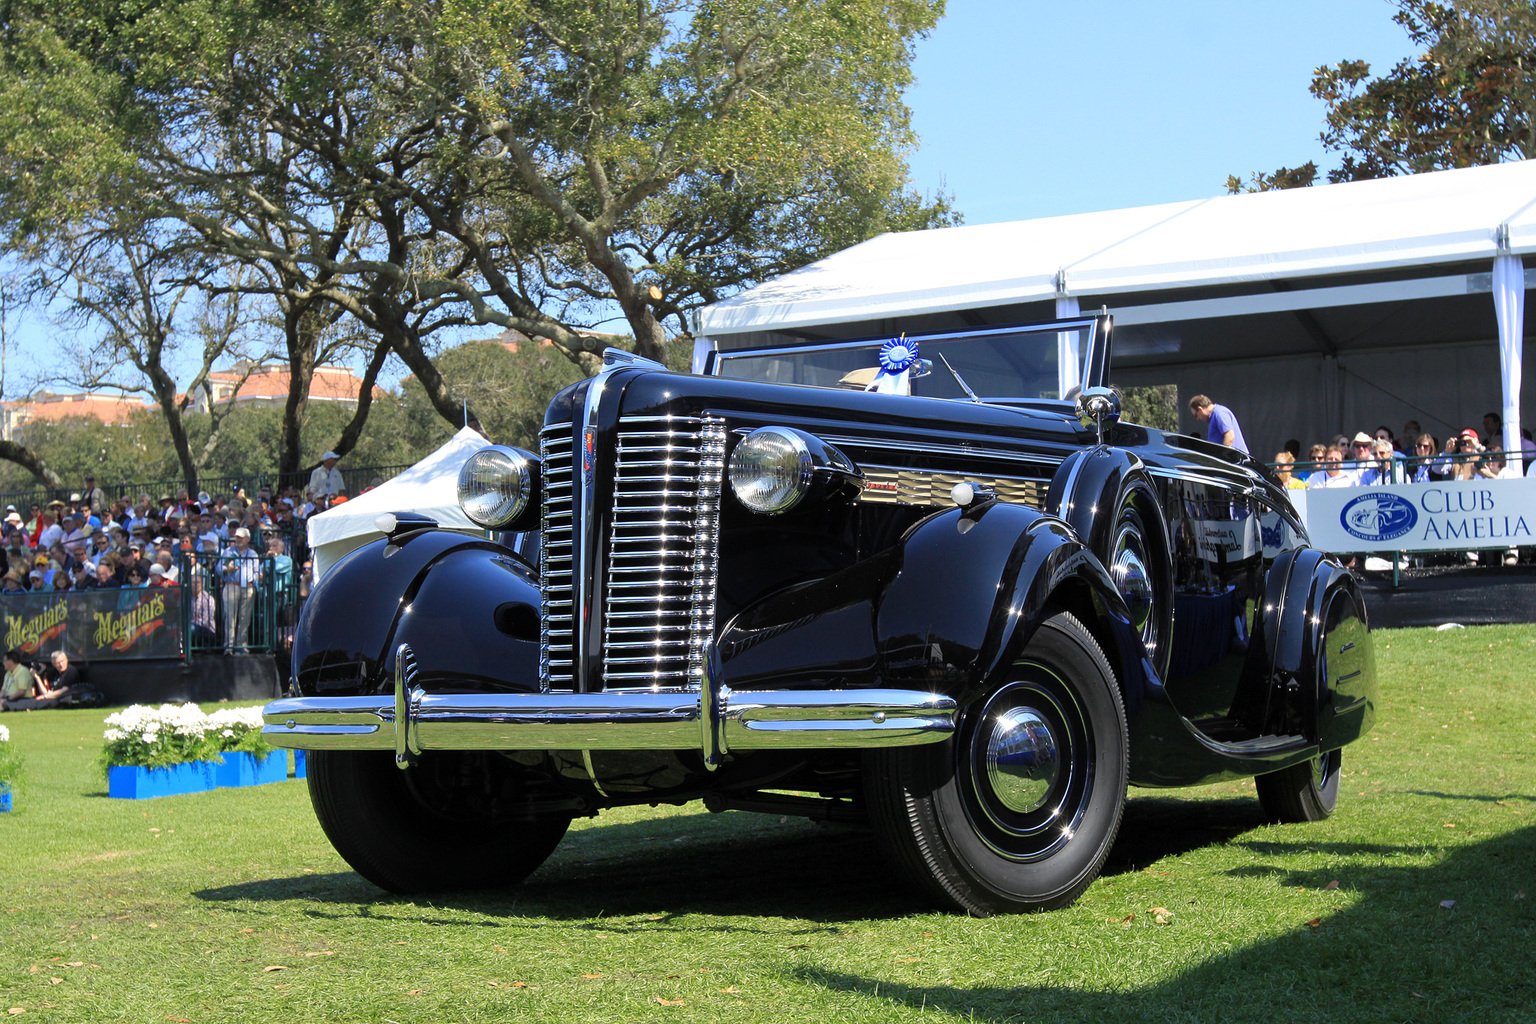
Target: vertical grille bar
(557, 634)
(706, 547)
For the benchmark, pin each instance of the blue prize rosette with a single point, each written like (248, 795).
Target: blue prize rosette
(897, 358)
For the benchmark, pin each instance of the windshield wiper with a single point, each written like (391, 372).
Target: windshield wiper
(958, 379)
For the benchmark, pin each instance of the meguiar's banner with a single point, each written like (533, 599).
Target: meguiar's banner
(1456, 515)
(95, 625)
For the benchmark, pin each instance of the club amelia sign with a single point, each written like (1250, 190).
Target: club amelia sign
(1452, 516)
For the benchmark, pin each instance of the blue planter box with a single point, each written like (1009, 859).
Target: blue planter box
(298, 765)
(245, 770)
(5, 797)
(134, 783)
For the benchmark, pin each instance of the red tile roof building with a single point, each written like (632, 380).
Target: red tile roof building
(267, 385)
(47, 407)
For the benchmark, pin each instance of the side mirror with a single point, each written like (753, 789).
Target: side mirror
(1098, 407)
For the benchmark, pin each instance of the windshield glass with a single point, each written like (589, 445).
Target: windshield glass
(999, 364)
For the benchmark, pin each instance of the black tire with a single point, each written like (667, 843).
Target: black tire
(453, 821)
(1302, 792)
(986, 840)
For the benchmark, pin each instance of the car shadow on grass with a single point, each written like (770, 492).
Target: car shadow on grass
(1443, 941)
(1155, 827)
(736, 864)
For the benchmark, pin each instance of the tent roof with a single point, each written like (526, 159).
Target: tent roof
(1441, 218)
(430, 488)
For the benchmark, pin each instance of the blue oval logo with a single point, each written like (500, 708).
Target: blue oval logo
(1378, 516)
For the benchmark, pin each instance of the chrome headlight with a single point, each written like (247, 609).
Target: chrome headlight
(773, 468)
(497, 485)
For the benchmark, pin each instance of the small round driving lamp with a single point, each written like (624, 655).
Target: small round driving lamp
(771, 470)
(497, 485)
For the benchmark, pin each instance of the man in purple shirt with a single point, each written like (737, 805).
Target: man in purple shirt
(1220, 424)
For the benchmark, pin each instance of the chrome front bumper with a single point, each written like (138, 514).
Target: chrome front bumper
(710, 718)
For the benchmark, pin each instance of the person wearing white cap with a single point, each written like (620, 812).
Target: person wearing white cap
(326, 481)
(239, 567)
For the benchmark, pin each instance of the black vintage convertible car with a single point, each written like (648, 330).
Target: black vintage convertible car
(904, 582)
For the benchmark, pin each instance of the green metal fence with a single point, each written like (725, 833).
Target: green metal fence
(238, 603)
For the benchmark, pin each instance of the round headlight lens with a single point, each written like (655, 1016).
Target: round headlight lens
(495, 486)
(770, 470)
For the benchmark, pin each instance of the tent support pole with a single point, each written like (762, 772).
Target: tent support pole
(1509, 306)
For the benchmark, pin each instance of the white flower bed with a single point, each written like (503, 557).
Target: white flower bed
(150, 737)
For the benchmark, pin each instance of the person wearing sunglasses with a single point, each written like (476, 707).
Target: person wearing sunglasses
(1423, 454)
(1333, 473)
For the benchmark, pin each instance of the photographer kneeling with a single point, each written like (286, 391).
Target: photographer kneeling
(27, 690)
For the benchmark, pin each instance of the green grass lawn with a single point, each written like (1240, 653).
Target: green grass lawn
(1415, 902)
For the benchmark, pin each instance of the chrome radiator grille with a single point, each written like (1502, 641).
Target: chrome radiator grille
(663, 549)
(662, 559)
(557, 630)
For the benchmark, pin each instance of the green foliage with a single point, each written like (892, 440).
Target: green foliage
(250, 437)
(1156, 406)
(508, 390)
(1282, 177)
(76, 445)
(247, 444)
(1468, 97)
(523, 162)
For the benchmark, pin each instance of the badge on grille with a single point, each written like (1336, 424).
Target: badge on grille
(588, 456)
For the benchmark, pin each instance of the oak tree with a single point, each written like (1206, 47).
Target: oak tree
(1467, 97)
(424, 165)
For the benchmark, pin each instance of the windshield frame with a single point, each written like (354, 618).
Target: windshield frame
(1094, 368)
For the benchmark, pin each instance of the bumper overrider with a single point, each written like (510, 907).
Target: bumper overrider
(709, 718)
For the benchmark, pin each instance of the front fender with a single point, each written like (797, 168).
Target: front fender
(947, 610)
(469, 608)
(976, 583)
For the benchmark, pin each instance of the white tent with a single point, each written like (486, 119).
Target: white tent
(1364, 301)
(429, 488)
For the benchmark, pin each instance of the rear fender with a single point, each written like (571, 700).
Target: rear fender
(1324, 645)
(468, 607)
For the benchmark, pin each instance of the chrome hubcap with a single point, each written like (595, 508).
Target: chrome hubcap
(1027, 759)
(1132, 581)
(1021, 759)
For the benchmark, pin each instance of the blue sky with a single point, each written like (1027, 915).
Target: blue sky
(1029, 109)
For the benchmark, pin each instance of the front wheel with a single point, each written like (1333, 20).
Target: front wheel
(1302, 792)
(453, 821)
(1018, 811)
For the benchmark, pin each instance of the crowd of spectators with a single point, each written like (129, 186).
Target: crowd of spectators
(1381, 457)
(1418, 457)
(225, 548)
